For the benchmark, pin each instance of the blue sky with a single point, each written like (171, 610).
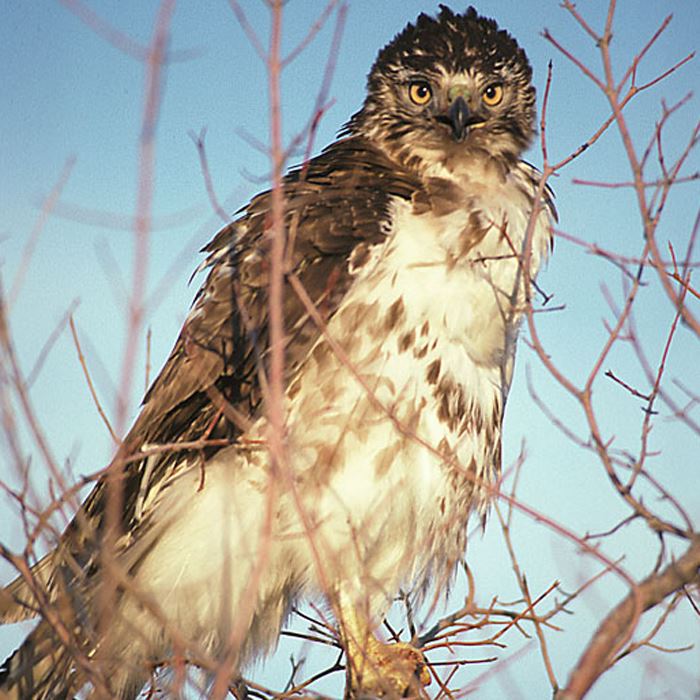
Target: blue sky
(68, 93)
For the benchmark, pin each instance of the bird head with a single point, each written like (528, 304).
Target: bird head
(448, 87)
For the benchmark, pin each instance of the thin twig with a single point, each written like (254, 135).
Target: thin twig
(88, 379)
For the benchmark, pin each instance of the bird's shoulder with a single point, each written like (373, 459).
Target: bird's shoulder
(334, 203)
(209, 389)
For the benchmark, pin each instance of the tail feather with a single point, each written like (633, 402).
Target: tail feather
(39, 670)
(16, 599)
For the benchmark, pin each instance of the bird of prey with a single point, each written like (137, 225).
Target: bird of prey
(411, 246)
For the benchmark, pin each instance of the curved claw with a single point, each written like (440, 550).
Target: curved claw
(388, 671)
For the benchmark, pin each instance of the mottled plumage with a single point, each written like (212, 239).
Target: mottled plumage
(409, 236)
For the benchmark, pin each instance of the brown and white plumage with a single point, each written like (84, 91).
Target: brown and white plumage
(409, 236)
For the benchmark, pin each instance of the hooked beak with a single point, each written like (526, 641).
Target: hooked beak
(459, 118)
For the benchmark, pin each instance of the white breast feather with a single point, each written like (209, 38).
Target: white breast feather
(382, 507)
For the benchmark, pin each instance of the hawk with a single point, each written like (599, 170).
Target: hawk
(411, 246)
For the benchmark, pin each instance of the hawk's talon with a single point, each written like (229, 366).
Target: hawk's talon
(387, 671)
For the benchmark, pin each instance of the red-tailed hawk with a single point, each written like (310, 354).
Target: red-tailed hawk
(410, 254)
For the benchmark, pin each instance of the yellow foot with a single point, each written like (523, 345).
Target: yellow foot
(386, 671)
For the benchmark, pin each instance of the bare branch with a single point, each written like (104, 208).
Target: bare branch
(615, 628)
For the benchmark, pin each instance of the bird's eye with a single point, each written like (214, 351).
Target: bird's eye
(420, 92)
(492, 95)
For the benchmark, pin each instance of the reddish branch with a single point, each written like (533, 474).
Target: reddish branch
(47, 207)
(616, 627)
(88, 380)
(275, 378)
(206, 173)
(121, 41)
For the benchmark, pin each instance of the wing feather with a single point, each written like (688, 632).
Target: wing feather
(336, 202)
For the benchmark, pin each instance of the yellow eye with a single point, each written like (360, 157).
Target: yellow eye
(420, 92)
(492, 95)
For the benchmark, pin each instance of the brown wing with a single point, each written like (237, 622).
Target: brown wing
(337, 202)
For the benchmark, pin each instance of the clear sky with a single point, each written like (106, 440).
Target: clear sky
(67, 93)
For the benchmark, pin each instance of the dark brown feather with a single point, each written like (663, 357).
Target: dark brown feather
(336, 203)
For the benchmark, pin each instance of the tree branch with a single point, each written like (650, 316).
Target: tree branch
(616, 626)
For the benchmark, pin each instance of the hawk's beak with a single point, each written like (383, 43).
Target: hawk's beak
(459, 118)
